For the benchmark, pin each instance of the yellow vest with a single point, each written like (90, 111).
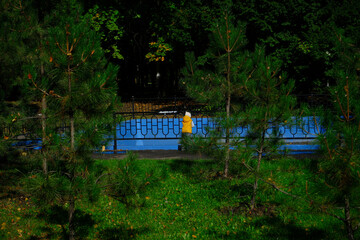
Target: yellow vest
(187, 128)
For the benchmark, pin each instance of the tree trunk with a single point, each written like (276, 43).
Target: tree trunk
(228, 103)
(72, 127)
(44, 137)
(71, 218)
(349, 229)
(72, 133)
(227, 139)
(72, 149)
(43, 126)
(255, 186)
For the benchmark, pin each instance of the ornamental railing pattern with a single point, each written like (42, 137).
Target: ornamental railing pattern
(161, 119)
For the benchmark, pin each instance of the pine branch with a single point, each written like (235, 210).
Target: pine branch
(269, 183)
(335, 216)
(221, 37)
(102, 175)
(236, 40)
(51, 93)
(59, 46)
(326, 142)
(357, 227)
(20, 7)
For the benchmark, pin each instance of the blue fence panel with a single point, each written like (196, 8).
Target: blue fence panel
(164, 132)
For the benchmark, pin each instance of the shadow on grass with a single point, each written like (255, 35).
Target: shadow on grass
(57, 215)
(196, 170)
(207, 171)
(121, 232)
(271, 226)
(277, 229)
(12, 167)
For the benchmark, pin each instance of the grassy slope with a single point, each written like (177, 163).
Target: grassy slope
(181, 200)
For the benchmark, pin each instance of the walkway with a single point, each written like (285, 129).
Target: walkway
(155, 154)
(174, 154)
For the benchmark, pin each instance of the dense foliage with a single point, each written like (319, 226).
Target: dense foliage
(59, 82)
(296, 32)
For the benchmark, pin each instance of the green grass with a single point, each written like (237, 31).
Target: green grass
(180, 200)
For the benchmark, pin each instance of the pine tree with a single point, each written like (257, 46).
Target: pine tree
(269, 105)
(20, 37)
(248, 90)
(80, 88)
(340, 143)
(215, 79)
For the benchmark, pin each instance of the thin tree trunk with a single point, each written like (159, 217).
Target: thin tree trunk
(71, 218)
(255, 186)
(44, 137)
(349, 229)
(228, 102)
(72, 132)
(227, 140)
(72, 127)
(72, 149)
(43, 126)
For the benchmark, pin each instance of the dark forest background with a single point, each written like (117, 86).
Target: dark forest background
(298, 32)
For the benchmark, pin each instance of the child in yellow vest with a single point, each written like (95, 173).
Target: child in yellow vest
(187, 124)
(186, 131)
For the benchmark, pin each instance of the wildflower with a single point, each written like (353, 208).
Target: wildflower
(147, 197)
(194, 236)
